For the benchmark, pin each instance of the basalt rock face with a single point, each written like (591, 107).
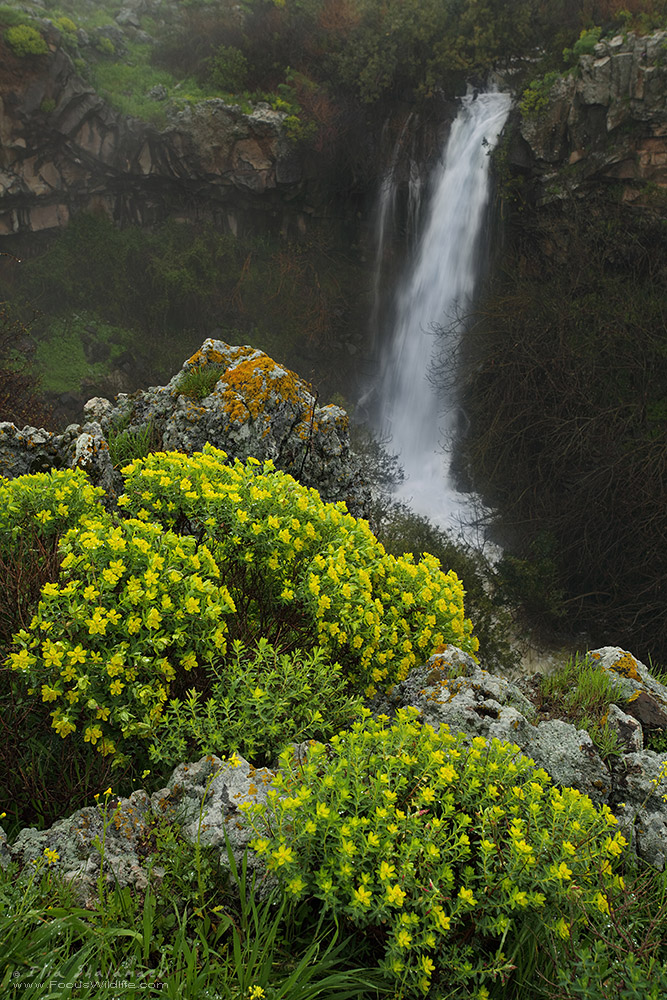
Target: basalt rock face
(64, 150)
(606, 123)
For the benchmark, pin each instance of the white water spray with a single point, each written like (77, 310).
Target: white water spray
(439, 285)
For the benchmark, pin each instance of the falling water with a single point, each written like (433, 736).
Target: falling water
(439, 286)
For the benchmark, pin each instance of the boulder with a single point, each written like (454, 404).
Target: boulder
(203, 797)
(257, 408)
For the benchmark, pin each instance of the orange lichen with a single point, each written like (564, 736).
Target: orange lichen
(205, 357)
(626, 666)
(250, 383)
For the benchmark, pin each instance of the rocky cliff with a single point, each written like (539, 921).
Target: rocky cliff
(604, 123)
(64, 150)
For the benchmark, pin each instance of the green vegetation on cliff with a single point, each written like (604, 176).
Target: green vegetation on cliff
(567, 395)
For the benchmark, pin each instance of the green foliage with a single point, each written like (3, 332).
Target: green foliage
(66, 25)
(137, 609)
(199, 382)
(61, 357)
(490, 604)
(24, 40)
(584, 45)
(47, 106)
(310, 570)
(444, 849)
(44, 505)
(10, 17)
(298, 131)
(156, 942)
(535, 97)
(161, 287)
(626, 956)
(581, 692)
(126, 444)
(258, 703)
(105, 46)
(228, 69)
(566, 360)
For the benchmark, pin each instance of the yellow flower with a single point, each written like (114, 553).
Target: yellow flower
(116, 688)
(49, 693)
(563, 929)
(153, 618)
(296, 886)
(283, 855)
(63, 726)
(363, 896)
(92, 734)
(467, 896)
(386, 870)
(189, 661)
(77, 655)
(561, 872)
(395, 895)
(51, 855)
(403, 939)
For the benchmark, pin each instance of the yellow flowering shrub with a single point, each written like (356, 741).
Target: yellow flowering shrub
(134, 609)
(446, 847)
(45, 504)
(304, 566)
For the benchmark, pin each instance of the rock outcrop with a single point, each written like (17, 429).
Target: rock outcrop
(64, 150)
(205, 798)
(606, 122)
(255, 407)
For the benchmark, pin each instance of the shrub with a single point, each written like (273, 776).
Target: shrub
(228, 69)
(25, 40)
(445, 849)
(584, 45)
(44, 505)
(535, 98)
(138, 608)
(105, 46)
(259, 702)
(66, 25)
(307, 572)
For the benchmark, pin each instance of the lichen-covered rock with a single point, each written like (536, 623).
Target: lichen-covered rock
(629, 673)
(640, 784)
(24, 452)
(452, 689)
(455, 690)
(207, 796)
(115, 830)
(34, 449)
(257, 408)
(628, 728)
(202, 798)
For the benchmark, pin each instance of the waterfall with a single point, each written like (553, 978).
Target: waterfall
(438, 286)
